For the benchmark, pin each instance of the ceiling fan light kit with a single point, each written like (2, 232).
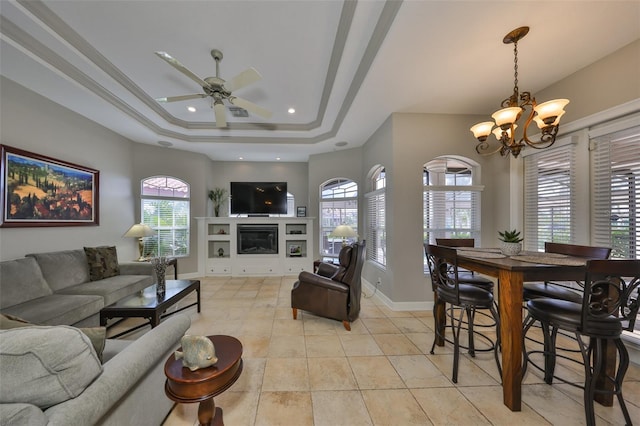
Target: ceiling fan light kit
(217, 89)
(546, 115)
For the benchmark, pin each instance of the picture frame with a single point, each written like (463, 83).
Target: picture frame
(295, 250)
(301, 211)
(37, 190)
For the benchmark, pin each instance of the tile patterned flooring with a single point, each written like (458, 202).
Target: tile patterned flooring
(311, 371)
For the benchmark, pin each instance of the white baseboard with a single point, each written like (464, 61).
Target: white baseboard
(369, 290)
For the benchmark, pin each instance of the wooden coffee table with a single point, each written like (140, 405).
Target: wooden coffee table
(186, 386)
(146, 304)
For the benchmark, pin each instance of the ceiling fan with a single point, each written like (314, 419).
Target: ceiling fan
(217, 88)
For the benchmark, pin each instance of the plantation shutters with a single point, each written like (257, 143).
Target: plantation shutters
(549, 197)
(616, 192)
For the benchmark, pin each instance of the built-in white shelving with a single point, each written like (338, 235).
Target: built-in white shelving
(218, 244)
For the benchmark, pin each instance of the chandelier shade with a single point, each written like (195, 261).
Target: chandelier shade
(546, 115)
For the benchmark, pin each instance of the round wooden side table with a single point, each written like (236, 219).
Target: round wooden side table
(186, 386)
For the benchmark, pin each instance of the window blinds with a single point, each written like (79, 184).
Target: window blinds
(549, 197)
(376, 233)
(451, 212)
(616, 192)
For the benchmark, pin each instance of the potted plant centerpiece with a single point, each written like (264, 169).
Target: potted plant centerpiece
(511, 242)
(218, 196)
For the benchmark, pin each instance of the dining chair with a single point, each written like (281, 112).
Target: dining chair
(558, 290)
(443, 268)
(569, 291)
(608, 307)
(465, 276)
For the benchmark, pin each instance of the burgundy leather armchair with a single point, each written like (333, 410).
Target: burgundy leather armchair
(334, 290)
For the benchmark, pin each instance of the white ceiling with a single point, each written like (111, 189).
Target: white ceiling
(344, 66)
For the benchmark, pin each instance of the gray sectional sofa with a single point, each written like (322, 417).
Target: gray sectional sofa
(128, 388)
(55, 288)
(51, 374)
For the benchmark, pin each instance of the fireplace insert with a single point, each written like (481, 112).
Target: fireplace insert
(257, 239)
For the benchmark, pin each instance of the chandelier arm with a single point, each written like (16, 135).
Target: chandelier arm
(483, 147)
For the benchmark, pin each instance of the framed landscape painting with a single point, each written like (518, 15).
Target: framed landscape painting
(42, 191)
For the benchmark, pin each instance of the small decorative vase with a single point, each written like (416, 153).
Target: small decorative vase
(510, 249)
(221, 252)
(160, 268)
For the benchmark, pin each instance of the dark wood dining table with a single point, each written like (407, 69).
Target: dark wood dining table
(511, 273)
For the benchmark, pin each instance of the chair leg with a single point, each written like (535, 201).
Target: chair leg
(295, 313)
(622, 370)
(471, 318)
(496, 348)
(456, 344)
(550, 356)
(347, 325)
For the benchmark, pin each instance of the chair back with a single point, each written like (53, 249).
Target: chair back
(443, 268)
(589, 252)
(610, 296)
(352, 276)
(456, 242)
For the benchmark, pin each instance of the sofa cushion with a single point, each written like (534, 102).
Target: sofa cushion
(57, 309)
(21, 280)
(102, 261)
(97, 335)
(63, 268)
(112, 289)
(45, 365)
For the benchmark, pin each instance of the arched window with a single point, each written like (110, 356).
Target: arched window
(451, 199)
(165, 208)
(338, 206)
(376, 216)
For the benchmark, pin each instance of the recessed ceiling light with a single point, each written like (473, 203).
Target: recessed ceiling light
(278, 158)
(341, 143)
(291, 110)
(191, 109)
(240, 158)
(165, 143)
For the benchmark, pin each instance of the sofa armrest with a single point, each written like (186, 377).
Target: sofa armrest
(136, 268)
(19, 414)
(107, 394)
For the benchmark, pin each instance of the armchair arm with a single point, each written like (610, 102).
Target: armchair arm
(308, 278)
(327, 269)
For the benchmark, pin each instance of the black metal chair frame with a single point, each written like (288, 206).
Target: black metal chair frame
(443, 267)
(609, 306)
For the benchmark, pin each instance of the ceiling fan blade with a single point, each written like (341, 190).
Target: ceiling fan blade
(250, 106)
(181, 98)
(221, 114)
(177, 65)
(243, 79)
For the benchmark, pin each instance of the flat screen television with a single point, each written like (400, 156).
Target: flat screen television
(262, 198)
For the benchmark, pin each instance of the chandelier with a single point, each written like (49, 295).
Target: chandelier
(546, 115)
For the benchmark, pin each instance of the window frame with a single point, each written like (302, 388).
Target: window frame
(179, 192)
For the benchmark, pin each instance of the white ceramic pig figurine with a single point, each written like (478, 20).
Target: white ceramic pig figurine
(197, 352)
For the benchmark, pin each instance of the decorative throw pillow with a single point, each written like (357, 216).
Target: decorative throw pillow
(103, 262)
(97, 335)
(45, 366)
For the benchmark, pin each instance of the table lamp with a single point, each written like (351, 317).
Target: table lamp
(139, 231)
(344, 232)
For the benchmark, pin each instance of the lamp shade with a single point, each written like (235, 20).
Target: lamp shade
(343, 231)
(482, 130)
(550, 110)
(139, 230)
(506, 115)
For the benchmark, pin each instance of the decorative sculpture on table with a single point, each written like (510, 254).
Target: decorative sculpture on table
(197, 352)
(160, 268)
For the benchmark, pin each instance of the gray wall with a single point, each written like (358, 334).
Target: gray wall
(33, 123)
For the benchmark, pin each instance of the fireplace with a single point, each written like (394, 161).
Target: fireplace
(257, 239)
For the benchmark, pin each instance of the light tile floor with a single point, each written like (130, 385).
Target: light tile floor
(311, 371)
